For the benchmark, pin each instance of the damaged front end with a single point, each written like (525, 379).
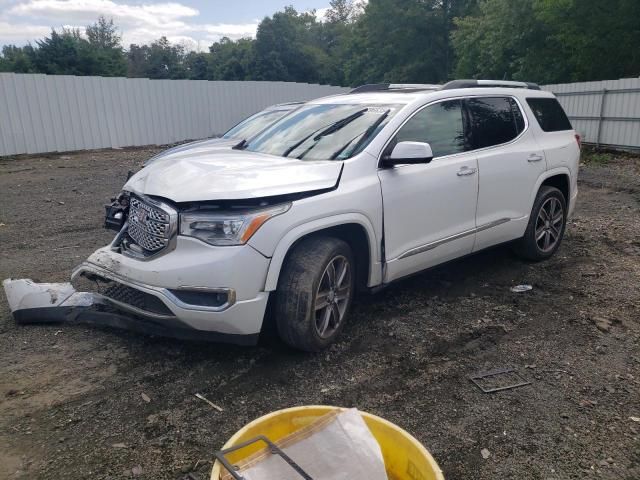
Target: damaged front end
(97, 296)
(50, 303)
(116, 212)
(32, 302)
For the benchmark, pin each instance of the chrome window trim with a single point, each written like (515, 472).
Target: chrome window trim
(430, 246)
(462, 97)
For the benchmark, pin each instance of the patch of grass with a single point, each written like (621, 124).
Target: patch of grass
(594, 157)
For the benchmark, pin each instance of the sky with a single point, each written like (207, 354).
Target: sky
(194, 23)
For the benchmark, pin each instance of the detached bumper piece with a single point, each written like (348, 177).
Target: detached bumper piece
(41, 303)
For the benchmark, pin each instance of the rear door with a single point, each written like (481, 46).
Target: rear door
(558, 138)
(510, 161)
(429, 209)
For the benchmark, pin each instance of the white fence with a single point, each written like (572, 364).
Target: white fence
(43, 113)
(605, 113)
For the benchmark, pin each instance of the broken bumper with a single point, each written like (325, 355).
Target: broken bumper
(32, 302)
(196, 291)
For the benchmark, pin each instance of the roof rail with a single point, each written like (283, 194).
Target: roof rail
(382, 87)
(489, 83)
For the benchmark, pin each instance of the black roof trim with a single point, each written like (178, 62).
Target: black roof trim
(371, 87)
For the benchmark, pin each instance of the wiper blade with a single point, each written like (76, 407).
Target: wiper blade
(241, 145)
(327, 130)
(368, 132)
(334, 127)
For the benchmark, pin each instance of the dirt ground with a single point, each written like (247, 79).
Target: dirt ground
(71, 397)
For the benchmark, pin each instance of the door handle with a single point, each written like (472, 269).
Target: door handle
(534, 157)
(464, 171)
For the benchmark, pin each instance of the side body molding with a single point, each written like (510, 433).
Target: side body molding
(285, 243)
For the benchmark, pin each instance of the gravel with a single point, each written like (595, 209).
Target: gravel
(79, 402)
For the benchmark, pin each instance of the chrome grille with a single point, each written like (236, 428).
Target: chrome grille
(148, 225)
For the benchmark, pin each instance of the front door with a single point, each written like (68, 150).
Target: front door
(429, 209)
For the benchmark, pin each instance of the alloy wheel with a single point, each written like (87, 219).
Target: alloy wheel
(332, 297)
(549, 224)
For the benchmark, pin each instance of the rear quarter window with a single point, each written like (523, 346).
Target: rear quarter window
(494, 121)
(549, 114)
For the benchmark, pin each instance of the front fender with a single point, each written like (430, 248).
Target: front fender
(295, 234)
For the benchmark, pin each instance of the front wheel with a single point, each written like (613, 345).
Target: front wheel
(546, 225)
(315, 292)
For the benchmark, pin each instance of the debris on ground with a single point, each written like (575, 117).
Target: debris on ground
(602, 324)
(145, 397)
(202, 397)
(485, 453)
(498, 380)
(521, 288)
(136, 471)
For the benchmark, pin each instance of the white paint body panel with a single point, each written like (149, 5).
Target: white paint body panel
(24, 294)
(357, 200)
(407, 207)
(424, 204)
(218, 173)
(196, 264)
(508, 175)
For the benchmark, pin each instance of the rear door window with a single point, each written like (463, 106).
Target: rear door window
(549, 114)
(494, 120)
(440, 125)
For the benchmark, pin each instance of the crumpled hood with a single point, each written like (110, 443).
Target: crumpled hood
(208, 172)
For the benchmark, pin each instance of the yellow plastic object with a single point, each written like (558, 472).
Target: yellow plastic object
(404, 456)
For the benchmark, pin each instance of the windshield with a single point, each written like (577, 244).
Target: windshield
(255, 124)
(323, 132)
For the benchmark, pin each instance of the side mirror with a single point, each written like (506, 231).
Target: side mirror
(408, 153)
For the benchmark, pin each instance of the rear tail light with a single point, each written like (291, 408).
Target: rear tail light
(578, 140)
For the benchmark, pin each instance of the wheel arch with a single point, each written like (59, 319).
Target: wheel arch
(558, 177)
(355, 229)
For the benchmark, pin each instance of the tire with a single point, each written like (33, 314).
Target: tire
(543, 235)
(305, 285)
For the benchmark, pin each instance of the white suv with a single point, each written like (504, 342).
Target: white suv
(346, 193)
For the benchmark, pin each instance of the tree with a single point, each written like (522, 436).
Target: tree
(17, 59)
(229, 60)
(402, 41)
(196, 65)
(287, 47)
(160, 60)
(341, 11)
(412, 41)
(63, 54)
(105, 42)
(137, 61)
(549, 41)
(68, 52)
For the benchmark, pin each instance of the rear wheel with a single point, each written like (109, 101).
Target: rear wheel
(546, 225)
(314, 293)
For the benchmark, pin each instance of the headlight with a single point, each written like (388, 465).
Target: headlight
(227, 228)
